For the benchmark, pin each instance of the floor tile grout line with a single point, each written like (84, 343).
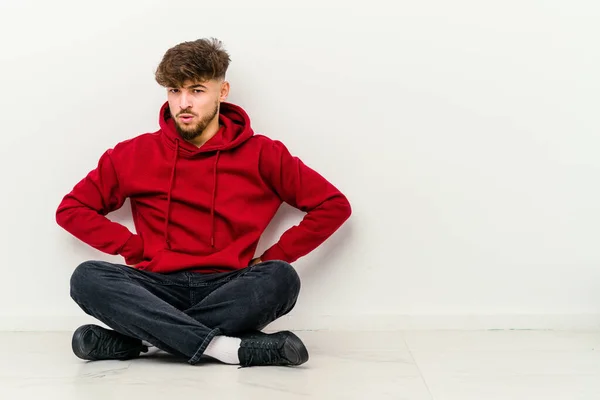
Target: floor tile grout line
(417, 365)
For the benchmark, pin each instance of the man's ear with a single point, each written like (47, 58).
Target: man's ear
(224, 91)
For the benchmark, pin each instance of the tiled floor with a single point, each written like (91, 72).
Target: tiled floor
(438, 365)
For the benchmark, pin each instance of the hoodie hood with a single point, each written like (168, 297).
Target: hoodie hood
(235, 129)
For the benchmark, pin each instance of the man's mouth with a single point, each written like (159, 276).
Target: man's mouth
(186, 117)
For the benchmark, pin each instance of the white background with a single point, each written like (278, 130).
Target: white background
(464, 133)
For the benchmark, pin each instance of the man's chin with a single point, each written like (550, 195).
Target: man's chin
(187, 133)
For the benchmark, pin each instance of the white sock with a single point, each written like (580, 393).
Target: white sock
(224, 349)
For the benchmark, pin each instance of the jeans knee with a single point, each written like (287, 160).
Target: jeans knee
(285, 279)
(85, 279)
(289, 277)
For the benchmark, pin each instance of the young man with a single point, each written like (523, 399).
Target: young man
(203, 188)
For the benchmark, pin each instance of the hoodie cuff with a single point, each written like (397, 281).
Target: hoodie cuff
(133, 250)
(275, 253)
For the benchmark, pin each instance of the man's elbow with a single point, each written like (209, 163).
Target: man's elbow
(64, 213)
(61, 216)
(344, 208)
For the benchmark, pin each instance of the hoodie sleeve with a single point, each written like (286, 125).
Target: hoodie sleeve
(83, 211)
(301, 187)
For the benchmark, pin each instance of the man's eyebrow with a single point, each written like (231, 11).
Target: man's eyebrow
(196, 86)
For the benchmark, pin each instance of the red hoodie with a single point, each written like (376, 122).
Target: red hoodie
(201, 209)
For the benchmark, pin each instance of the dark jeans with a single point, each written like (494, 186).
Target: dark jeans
(181, 312)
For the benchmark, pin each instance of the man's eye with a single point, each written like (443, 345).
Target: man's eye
(198, 91)
(173, 90)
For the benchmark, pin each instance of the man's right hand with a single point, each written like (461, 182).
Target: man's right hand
(255, 261)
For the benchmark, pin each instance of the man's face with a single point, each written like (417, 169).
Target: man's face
(195, 105)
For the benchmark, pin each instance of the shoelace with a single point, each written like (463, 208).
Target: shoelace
(262, 351)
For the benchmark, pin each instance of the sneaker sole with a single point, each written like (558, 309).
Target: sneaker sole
(294, 350)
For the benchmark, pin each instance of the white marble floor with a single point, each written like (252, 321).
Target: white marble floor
(433, 365)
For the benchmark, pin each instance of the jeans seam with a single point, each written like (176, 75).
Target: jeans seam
(191, 290)
(196, 357)
(141, 277)
(217, 283)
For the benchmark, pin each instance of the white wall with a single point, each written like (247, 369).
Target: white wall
(466, 133)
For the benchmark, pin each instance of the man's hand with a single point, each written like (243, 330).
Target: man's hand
(255, 261)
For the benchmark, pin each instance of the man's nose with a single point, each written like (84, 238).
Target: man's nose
(185, 101)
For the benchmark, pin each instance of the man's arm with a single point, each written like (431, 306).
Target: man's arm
(83, 213)
(301, 187)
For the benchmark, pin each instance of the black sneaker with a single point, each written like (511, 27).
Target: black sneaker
(92, 342)
(280, 348)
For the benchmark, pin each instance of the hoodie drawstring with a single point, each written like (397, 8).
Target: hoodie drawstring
(212, 208)
(172, 180)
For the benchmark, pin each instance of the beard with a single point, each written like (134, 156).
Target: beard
(192, 132)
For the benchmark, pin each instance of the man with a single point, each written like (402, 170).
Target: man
(203, 188)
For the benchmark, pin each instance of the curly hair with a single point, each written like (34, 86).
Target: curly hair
(197, 61)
